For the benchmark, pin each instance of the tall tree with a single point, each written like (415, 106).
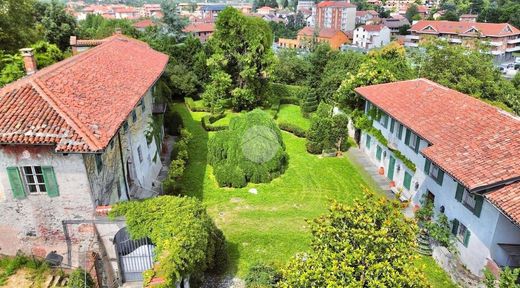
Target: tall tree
(173, 23)
(55, 24)
(241, 47)
(16, 24)
(366, 244)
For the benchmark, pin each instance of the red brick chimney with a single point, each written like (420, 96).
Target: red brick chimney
(29, 61)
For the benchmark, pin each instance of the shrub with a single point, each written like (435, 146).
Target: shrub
(280, 91)
(179, 157)
(327, 131)
(262, 276)
(250, 150)
(290, 100)
(195, 106)
(187, 242)
(80, 278)
(208, 120)
(309, 103)
(294, 129)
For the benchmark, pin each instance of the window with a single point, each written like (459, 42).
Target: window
(125, 126)
(461, 232)
(34, 181)
(99, 162)
(134, 116)
(400, 131)
(140, 154)
(469, 200)
(383, 120)
(368, 141)
(433, 171)
(143, 105)
(378, 152)
(407, 180)
(412, 140)
(392, 124)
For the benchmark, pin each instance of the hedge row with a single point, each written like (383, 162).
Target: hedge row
(195, 106)
(179, 157)
(208, 120)
(294, 129)
(277, 90)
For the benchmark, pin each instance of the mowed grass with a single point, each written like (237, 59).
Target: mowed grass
(290, 113)
(270, 227)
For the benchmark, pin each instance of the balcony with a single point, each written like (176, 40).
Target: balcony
(513, 41)
(513, 49)
(495, 43)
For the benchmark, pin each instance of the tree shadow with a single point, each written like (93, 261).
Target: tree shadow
(195, 172)
(234, 256)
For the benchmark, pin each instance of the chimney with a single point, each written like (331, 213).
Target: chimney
(29, 61)
(73, 44)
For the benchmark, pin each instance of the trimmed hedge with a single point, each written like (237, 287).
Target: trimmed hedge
(279, 91)
(179, 158)
(195, 106)
(291, 128)
(245, 152)
(208, 120)
(290, 100)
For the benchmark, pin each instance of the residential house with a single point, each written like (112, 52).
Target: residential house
(337, 15)
(266, 10)
(308, 35)
(143, 24)
(468, 18)
(503, 38)
(305, 5)
(371, 36)
(396, 23)
(456, 151)
(73, 138)
(200, 30)
(126, 13)
(150, 11)
(362, 17)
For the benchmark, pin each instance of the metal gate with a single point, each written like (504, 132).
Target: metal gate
(134, 256)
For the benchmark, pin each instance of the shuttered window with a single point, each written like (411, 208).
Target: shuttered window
(472, 202)
(367, 143)
(407, 180)
(392, 125)
(16, 182)
(378, 152)
(50, 181)
(400, 132)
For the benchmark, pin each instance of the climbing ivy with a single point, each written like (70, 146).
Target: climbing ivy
(187, 242)
(155, 131)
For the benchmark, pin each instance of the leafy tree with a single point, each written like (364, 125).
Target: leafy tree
(516, 81)
(97, 27)
(285, 3)
(214, 95)
(412, 12)
(450, 16)
(338, 133)
(466, 70)
(46, 54)
(503, 11)
(508, 278)
(55, 24)
(173, 23)
(187, 241)
(327, 131)
(366, 244)
(16, 24)
(80, 278)
(241, 47)
(309, 103)
(290, 68)
(318, 58)
(334, 72)
(403, 30)
(271, 3)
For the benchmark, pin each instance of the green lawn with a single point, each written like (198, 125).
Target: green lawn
(270, 226)
(292, 114)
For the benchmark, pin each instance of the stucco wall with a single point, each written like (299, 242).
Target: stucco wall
(34, 224)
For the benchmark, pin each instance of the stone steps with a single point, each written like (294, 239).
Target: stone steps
(423, 244)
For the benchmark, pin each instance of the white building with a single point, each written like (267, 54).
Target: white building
(371, 36)
(466, 160)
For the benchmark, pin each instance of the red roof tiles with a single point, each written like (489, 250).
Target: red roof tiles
(144, 23)
(507, 199)
(322, 33)
(373, 28)
(79, 103)
(476, 143)
(455, 27)
(199, 27)
(335, 4)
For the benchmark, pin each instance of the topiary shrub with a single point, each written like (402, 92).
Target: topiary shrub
(250, 150)
(262, 276)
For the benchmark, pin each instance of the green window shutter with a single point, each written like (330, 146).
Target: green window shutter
(455, 227)
(368, 141)
(427, 164)
(479, 200)
(407, 180)
(392, 124)
(407, 137)
(417, 142)
(378, 152)
(50, 181)
(143, 105)
(400, 134)
(16, 182)
(459, 192)
(466, 238)
(440, 177)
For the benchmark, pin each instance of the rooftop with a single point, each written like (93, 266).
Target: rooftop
(373, 28)
(507, 199)
(474, 142)
(336, 4)
(79, 104)
(199, 27)
(464, 27)
(322, 33)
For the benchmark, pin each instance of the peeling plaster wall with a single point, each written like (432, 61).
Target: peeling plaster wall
(34, 224)
(108, 184)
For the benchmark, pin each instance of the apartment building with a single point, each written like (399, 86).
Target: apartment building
(503, 38)
(338, 15)
(462, 154)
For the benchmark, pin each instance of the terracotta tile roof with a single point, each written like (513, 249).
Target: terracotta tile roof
(335, 4)
(373, 28)
(455, 27)
(199, 27)
(144, 23)
(507, 199)
(366, 12)
(476, 143)
(322, 33)
(78, 104)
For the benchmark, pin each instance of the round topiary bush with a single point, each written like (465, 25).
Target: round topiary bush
(250, 150)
